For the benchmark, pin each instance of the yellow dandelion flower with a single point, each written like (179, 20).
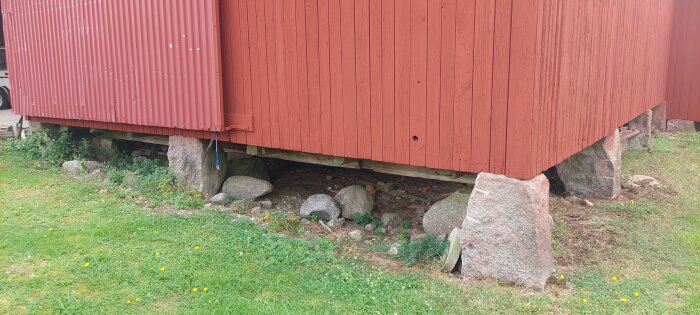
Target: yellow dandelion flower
(87, 264)
(157, 254)
(205, 289)
(623, 300)
(636, 293)
(162, 269)
(196, 247)
(194, 289)
(137, 299)
(128, 301)
(562, 277)
(584, 301)
(614, 278)
(50, 229)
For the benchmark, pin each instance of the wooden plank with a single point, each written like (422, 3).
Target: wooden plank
(362, 68)
(281, 10)
(501, 66)
(402, 39)
(464, 79)
(347, 38)
(273, 71)
(418, 86)
(336, 76)
(521, 98)
(255, 75)
(483, 84)
(263, 122)
(292, 68)
(303, 76)
(376, 79)
(447, 83)
(314, 84)
(433, 84)
(388, 81)
(325, 77)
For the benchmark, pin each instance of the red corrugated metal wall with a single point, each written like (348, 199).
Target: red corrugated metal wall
(683, 93)
(504, 86)
(148, 63)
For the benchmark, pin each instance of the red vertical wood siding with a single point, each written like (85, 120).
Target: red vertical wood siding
(502, 86)
(683, 89)
(145, 63)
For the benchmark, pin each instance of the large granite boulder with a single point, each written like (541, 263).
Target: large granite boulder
(595, 171)
(679, 125)
(643, 124)
(447, 214)
(354, 200)
(189, 160)
(245, 187)
(506, 233)
(77, 167)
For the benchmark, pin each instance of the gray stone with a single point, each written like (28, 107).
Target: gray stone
(643, 124)
(245, 187)
(638, 181)
(420, 213)
(680, 125)
(323, 206)
(221, 199)
(390, 220)
(453, 252)
(595, 171)
(658, 117)
(587, 203)
(354, 200)
(247, 166)
(394, 249)
(506, 232)
(76, 167)
(356, 235)
(446, 214)
(189, 160)
(267, 204)
(336, 223)
(370, 227)
(103, 148)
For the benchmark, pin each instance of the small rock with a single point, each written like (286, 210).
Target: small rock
(354, 200)
(305, 222)
(420, 213)
(390, 220)
(76, 167)
(356, 234)
(323, 206)
(221, 199)
(453, 251)
(385, 187)
(255, 211)
(447, 214)
(208, 205)
(336, 223)
(394, 249)
(245, 187)
(267, 204)
(587, 203)
(370, 227)
(637, 181)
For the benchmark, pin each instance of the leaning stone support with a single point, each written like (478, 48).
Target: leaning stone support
(595, 171)
(658, 117)
(643, 123)
(188, 159)
(506, 234)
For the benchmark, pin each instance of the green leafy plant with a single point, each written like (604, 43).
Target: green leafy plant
(364, 219)
(423, 249)
(404, 237)
(406, 224)
(41, 145)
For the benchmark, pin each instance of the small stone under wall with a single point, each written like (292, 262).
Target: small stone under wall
(680, 125)
(643, 123)
(194, 166)
(595, 171)
(506, 234)
(658, 117)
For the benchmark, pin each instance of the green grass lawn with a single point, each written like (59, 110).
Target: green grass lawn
(66, 247)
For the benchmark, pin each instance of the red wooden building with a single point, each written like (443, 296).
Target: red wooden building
(503, 86)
